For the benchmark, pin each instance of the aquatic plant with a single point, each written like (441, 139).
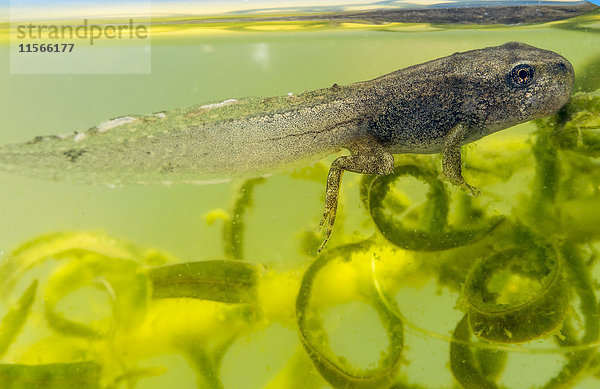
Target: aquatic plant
(522, 275)
(520, 262)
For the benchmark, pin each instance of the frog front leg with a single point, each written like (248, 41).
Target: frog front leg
(451, 160)
(367, 157)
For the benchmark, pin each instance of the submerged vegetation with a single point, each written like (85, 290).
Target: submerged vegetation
(521, 275)
(520, 265)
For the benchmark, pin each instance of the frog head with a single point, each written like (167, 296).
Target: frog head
(514, 83)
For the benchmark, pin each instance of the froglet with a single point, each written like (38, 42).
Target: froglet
(432, 107)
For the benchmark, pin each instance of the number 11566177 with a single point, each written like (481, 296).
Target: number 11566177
(46, 47)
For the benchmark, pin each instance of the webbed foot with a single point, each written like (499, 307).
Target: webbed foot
(331, 202)
(461, 183)
(328, 221)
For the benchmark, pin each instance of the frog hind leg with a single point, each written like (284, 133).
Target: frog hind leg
(367, 157)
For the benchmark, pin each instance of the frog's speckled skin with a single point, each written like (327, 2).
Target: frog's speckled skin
(428, 108)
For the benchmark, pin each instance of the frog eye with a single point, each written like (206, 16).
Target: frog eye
(521, 75)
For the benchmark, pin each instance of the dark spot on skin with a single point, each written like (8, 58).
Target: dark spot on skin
(43, 138)
(335, 87)
(73, 154)
(168, 168)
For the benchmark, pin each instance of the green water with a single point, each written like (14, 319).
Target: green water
(256, 343)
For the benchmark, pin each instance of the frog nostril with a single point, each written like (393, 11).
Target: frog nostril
(562, 67)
